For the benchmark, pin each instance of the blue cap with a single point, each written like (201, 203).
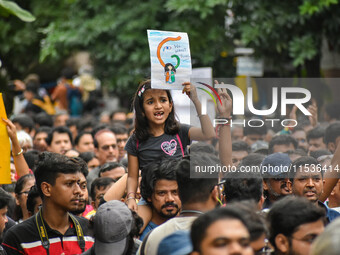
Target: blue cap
(178, 243)
(276, 164)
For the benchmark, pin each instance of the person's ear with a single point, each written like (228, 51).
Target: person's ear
(215, 194)
(17, 199)
(331, 147)
(282, 243)
(260, 203)
(265, 186)
(96, 152)
(171, 105)
(46, 189)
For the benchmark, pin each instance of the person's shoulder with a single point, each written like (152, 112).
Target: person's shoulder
(21, 232)
(23, 226)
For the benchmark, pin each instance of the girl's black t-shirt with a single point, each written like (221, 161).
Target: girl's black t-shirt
(158, 147)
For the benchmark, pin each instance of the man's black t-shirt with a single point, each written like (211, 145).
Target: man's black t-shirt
(24, 238)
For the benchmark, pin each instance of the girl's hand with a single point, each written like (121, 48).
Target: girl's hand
(131, 203)
(190, 90)
(227, 103)
(11, 129)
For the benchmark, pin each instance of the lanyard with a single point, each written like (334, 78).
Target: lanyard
(44, 237)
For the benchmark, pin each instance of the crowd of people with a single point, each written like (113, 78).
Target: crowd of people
(128, 183)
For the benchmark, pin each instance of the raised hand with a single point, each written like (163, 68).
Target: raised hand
(227, 103)
(190, 90)
(11, 129)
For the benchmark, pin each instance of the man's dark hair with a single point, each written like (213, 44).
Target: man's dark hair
(298, 151)
(289, 213)
(315, 133)
(79, 136)
(198, 189)
(43, 119)
(109, 166)
(119, 129)
(202, 223)
(318, 153)
(67, 73)
(203, 147)
(5, 198)
(237, 188)
(247, 130)
(253, 159)
(72, 122)
(51, 165)
(43, 129)
(240, 146)
(164, 169)
(256, 222)
(300, 162)
(59, 130)
(31, 199)
(100, 183)
(31, 158)
(87, 123)
(24, 121)
(333, 110)
(281, 140)
(332, 132)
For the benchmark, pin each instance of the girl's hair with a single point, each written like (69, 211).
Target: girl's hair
(17, 214)
(21, 182)
(166, 67)
(142, 131)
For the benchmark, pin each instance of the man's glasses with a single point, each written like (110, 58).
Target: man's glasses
(307, 239)
(24, 192)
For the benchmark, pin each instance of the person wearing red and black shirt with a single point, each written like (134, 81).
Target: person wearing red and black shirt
(53, 230)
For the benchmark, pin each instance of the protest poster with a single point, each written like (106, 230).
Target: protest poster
(170, 59)
(5, 148)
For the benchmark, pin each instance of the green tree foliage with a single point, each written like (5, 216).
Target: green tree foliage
(114, 32)
(10, 8)
(287, 31)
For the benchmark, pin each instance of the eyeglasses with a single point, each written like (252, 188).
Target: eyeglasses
(307, 239)
(24, 192)
(107, 147)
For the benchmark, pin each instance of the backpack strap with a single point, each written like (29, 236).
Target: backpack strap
(137, 144)
(180, 144)
(142, 247)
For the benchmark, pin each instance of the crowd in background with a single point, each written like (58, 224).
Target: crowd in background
(69, 159)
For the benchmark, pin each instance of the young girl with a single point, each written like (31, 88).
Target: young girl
(157, 132)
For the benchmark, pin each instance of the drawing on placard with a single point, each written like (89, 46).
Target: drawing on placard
(170, 59)
(169, 69)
